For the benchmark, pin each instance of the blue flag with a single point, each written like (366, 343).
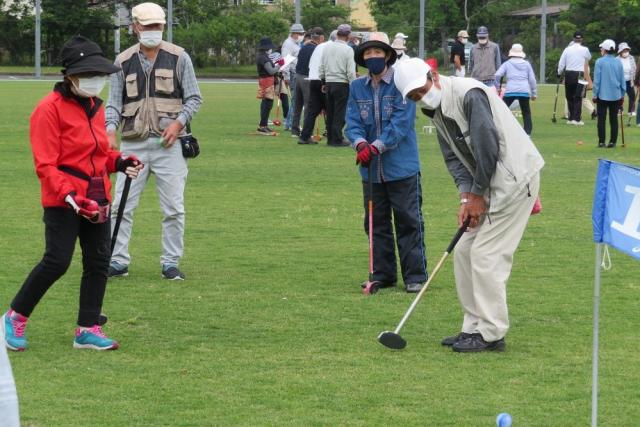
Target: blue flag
(616, 207)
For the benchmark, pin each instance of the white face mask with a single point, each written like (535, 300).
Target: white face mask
(399, 52)
(151, 39)
(431, 100)
(625, 54)
(88, 87)
(465, 40)
(269, 51)
(483, 41)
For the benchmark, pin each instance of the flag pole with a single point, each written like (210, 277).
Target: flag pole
(596, 330)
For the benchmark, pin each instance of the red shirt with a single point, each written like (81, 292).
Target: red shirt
(63, 133)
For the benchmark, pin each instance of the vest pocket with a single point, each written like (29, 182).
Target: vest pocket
(130, 119)
(131, 85)
(168, 111)
(164, 81)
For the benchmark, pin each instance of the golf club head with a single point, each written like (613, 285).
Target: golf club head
(392, 340)
(316, 138)
(277, 122)
(370, 288)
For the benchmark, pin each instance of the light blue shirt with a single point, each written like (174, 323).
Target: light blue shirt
(608, 79)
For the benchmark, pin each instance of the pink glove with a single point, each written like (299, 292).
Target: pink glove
(87, 208)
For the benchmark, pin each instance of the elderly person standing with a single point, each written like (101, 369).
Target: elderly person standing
(291, 46)
(458, 59)
(381, 127)
(629, 68)
(152, 99)
(399, 44)
(608, 91)
(496, 168)
(521, 83)
(337, 70)
(484, 58)
(574, 64)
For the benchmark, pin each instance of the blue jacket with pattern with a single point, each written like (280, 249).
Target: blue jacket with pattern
(379, 116)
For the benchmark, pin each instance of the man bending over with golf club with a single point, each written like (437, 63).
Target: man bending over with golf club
(152, 99)
(496, 169)
(73, 158)
(380, 126)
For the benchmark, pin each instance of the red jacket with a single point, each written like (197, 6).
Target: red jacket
(65, 133)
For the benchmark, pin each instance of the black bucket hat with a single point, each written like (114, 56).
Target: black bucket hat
(81, 55)
(265, 44)
(379, 40)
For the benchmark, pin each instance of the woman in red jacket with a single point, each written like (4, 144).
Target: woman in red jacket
(72, 159)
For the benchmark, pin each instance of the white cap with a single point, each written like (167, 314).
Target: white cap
(148, 13)
(622, 46)
(410, 74)
(401, 36)
(608, 44)
(517, 51)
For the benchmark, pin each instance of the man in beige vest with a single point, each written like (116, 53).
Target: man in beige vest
(496, 169)
(152, 100)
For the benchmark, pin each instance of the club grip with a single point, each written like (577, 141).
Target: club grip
(458, 235)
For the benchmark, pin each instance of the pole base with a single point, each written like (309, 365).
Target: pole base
(392, 340)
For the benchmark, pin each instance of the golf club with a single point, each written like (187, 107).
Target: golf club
(622, 129)
(370, 287)
(555, 103)
(393, 339)
(277, 121)
(102, 319)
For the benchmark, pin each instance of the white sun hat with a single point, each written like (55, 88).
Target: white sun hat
(410, 74)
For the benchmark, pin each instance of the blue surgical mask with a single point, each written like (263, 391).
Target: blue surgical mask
(375, 65)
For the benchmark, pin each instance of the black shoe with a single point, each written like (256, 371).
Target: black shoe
(611, 145)
(264, 129)
(601, 145)
(412, 288)
(172, 273)
(449, 341)
(117, 271)
(308, 141)
(339, 144)
(474, 343)
(379, 283)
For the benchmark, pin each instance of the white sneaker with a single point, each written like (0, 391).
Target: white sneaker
(580, 123)
(632, 114)
(572, 122)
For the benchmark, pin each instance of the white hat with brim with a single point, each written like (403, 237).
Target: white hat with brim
(410, 74)
(401, 36)
(379, 40)
(398, 44)
(517, 51)
(148, 14)
(608, 44)
(623, 46)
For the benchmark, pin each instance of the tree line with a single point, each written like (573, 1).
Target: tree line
(217, 32)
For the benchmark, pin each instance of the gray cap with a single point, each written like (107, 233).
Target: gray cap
(344, 29)
(482, 31)
(297, 28)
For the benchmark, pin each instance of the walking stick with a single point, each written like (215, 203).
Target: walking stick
(555, 104)
(622, 130)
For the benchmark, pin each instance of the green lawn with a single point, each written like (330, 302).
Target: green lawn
(270, 327)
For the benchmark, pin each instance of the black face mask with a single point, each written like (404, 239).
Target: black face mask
(375, 65)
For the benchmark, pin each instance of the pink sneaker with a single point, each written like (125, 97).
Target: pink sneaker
(94, 339)
(12, 327)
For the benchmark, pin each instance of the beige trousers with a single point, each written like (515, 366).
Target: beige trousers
(482, 264)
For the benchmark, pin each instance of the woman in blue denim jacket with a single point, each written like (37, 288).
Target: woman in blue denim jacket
(381, 128)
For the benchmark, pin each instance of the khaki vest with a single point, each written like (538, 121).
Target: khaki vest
(518, 159)
(150, 102)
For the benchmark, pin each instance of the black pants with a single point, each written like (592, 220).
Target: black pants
(403, 200)
(573, 94)
(284, 100)
(265, 110)
(337, 97)
(317, 103)
(62, 228)
(602, 107)
(525, 108)
(302, 97)
(631, 93)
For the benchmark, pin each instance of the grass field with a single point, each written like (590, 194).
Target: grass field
(270, 327)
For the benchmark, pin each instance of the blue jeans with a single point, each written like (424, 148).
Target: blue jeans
(292, 102)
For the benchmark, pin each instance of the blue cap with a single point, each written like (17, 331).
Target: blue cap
(482, 31)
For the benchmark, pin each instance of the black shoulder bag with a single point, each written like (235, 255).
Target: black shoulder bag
(190, 146)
